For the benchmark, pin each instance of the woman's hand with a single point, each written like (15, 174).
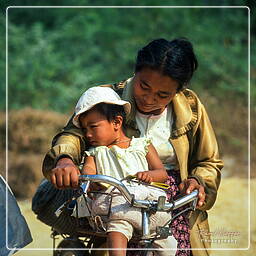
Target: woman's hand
(144, 176)
(65, 174)
(189, 185)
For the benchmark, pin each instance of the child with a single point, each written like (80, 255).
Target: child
(101, 114)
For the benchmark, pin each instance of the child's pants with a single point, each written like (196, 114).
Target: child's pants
(127, 229)
(126, 219)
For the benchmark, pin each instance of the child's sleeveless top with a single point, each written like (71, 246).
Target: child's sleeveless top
(121, 162)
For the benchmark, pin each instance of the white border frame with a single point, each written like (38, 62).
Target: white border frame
(132, 7)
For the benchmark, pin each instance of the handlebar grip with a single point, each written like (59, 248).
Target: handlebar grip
(186, 199)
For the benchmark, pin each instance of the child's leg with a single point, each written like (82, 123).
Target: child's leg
(117, 240)
(168, 243)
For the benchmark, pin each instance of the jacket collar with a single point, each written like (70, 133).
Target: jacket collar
(184, 108)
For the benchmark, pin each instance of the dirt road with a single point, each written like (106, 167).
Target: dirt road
(231, 228)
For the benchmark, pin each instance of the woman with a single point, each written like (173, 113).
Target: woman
(179, 127)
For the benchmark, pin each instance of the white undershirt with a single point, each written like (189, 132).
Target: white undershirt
(158, 129)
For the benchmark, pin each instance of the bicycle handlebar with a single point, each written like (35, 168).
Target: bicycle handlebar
(161, 205)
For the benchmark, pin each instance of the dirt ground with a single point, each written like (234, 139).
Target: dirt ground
(232, 232)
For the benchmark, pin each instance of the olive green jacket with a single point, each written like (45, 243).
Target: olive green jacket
(192, 138)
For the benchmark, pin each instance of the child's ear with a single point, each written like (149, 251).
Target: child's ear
(118, 122)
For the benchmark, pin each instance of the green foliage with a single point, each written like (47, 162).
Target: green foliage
(54, 54)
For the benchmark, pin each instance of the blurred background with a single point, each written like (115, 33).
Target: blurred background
(55, 54)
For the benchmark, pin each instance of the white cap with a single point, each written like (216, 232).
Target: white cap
(94, 96)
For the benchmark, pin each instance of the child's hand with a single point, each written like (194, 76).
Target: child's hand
(65, 174)
(144, 176)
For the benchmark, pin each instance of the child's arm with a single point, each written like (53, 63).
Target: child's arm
(89, 166)
(156, 171)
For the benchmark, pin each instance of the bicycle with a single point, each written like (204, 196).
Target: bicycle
(90, 242)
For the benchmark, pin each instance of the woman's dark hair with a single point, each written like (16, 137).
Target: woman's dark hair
(110, 111)
(175, 59)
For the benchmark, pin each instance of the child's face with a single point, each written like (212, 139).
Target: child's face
(97, 129)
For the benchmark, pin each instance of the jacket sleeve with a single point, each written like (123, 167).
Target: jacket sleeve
(205, 164)
(68, 143)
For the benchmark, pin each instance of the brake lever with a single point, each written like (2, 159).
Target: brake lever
(84, 186)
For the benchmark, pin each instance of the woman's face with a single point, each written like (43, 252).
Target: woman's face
(153, 91)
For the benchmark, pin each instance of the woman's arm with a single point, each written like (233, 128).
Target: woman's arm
(156, 170)
(204, 162)
(68, 144)
(61, 161)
